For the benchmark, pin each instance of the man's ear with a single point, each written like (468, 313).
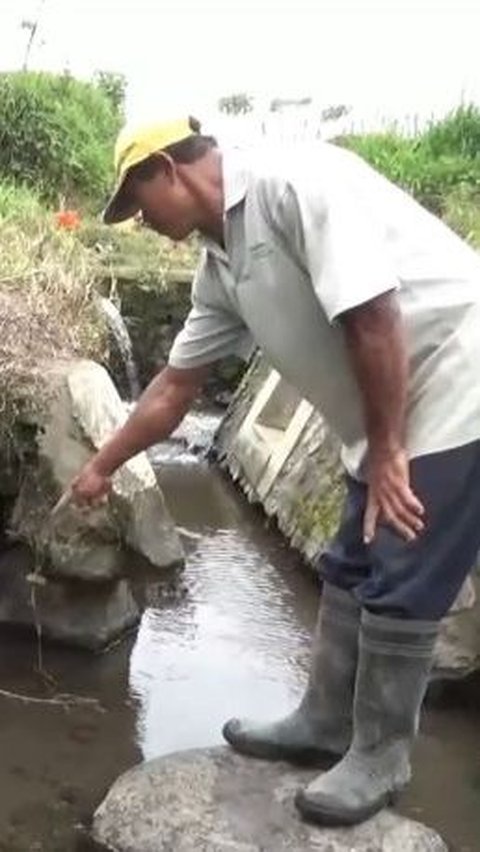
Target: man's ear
(167, 164)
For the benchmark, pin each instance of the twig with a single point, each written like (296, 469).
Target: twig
(63, 699)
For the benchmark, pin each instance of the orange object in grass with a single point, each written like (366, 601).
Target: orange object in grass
(69, 220)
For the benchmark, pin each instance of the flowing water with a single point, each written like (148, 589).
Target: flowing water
(120, 334)
(226, 636)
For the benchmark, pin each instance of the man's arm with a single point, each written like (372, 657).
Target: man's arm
(158, 412)
(375, 338)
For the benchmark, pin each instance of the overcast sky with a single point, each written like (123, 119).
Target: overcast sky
(415, 55)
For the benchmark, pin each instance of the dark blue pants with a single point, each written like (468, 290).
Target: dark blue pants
(418, 579)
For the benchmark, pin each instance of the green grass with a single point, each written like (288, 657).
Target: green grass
(19, 203)
(462, 213)
(433, 165)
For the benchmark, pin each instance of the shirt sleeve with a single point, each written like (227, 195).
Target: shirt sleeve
(339, 243)
(212, 330)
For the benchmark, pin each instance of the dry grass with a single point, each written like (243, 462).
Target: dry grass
(46, 309)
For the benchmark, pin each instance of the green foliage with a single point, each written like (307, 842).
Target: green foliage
(433, 165)
(56, 135)
(458, 135)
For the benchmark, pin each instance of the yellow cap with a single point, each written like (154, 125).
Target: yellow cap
(132, 147)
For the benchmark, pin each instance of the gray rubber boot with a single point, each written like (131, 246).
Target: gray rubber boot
(322, 724)
(395, 657)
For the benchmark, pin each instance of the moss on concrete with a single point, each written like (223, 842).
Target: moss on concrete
(317, 516)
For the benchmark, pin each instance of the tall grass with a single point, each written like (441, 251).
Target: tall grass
(19, 203)
(434, 164)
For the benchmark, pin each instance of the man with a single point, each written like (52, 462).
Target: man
(370, 307)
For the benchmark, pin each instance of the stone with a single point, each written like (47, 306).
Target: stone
(81, 409)
(82, 614)
(457, 652)
(215, 800)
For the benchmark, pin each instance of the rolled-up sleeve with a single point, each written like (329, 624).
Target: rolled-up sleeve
(212, 330)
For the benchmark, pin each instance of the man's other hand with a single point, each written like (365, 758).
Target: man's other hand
(390, 498)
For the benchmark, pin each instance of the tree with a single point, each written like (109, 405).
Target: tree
(236, 104)
(332, 113)
(32, 27)
(114, 86)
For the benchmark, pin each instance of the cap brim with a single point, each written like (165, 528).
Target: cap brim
(120, 207)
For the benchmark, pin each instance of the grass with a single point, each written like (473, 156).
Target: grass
(462, 213)
(133, 253)
(18, 202)
(433, 166)
(47, 309)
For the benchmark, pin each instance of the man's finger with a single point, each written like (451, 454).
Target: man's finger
(410, 499)
(62, 502)
(402, 512)
(370, 520)
(406, 529)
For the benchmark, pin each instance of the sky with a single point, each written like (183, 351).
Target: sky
(392, 57)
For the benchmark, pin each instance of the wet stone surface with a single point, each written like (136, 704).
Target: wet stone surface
(218, 801)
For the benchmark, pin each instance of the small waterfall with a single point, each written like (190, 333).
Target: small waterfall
(119, 331)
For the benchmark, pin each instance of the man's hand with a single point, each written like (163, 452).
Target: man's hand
(158, 412)
(390, 497)
(91, 486)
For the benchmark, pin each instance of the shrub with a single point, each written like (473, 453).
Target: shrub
(56, 135)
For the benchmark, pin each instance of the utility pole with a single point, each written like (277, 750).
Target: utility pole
(32, 27)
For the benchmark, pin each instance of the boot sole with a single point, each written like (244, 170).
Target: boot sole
(300, 756)
(332, 818)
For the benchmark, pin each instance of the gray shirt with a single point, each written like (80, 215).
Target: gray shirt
(311, 233)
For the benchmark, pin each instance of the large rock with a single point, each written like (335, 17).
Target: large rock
(457, 653)
(81, 410)
(76, 613)
(217, 801)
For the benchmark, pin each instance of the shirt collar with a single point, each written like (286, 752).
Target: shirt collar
(235, 177)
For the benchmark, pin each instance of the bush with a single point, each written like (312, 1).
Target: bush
(56, 136)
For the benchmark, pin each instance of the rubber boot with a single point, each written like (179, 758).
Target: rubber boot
(321, 727)
(395, 658)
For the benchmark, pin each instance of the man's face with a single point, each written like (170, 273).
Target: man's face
(164, 203)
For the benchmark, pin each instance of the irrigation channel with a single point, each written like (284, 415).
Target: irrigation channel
(228, 635)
